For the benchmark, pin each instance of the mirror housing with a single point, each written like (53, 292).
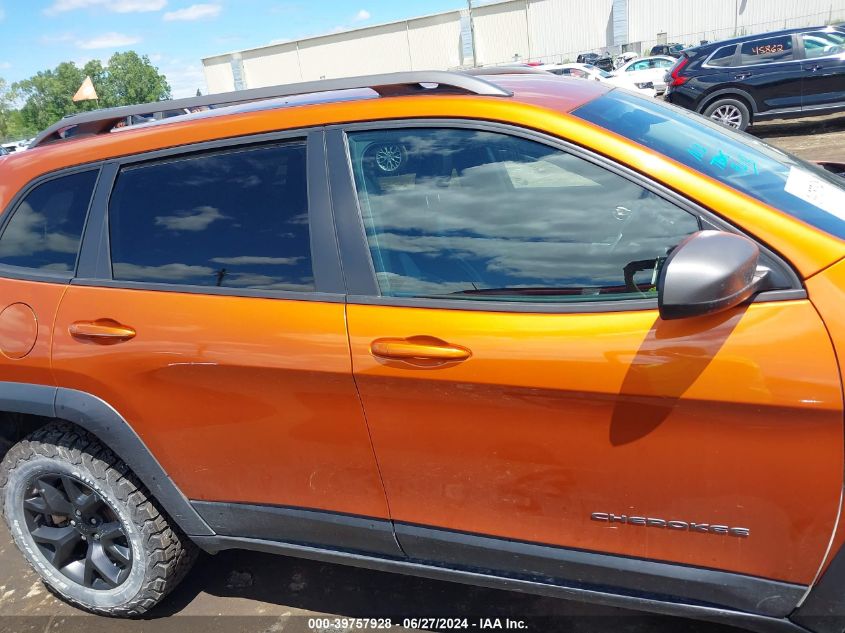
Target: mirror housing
(708, 272)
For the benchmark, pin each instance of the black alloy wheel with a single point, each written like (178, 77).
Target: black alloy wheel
(77, 531)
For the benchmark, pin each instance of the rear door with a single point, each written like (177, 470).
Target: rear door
(208, 311)
(770, 69)
(532, 413)
(824, 69)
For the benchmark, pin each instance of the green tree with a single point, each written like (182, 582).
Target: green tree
(127, 79)
(6, 109)
(130, 79)
(48, 95)
(12, 127)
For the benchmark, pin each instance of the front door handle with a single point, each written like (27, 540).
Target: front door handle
(101, 331)
(418, 348)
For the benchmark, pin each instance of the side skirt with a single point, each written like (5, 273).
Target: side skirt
(763, 624)
(539, 564)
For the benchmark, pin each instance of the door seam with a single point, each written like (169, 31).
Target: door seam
(369, 431)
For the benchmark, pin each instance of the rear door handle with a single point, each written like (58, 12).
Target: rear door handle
(742, 76)
(101, 331)
(418, 348)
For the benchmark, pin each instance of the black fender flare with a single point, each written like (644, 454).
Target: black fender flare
(104, 422)
(728, 92)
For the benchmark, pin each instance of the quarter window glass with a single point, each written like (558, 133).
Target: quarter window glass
(722, 57)
(822, 44)
(767, 51)
(455, 213)
(45, 229)
(237, 220)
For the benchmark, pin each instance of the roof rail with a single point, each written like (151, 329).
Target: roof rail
(388, 84)
(507, 70)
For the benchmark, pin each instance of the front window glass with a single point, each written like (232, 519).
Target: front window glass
(733, 158)
(823, 44)
(457, 213)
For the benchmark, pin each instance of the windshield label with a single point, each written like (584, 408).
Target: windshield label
(720, 160)
(809, 188)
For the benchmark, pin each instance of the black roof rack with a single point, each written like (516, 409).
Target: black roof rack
(507, 70)
(388, 84)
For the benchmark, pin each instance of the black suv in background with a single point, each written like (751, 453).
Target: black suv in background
(671, 50)
(791, 73)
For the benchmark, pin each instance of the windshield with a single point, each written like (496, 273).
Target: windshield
(738, 160)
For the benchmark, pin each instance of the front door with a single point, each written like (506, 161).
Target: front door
(521, 388)
(213, 336)
(824, 69)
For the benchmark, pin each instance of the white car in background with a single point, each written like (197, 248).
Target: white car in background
(588, 71)
(645, 69)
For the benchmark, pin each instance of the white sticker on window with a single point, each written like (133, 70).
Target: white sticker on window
(810, 188)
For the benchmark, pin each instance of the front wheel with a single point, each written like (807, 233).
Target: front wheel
(730, 113)
(87, 525)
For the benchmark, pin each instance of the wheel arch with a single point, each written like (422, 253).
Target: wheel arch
(28, 407)
(729, 93)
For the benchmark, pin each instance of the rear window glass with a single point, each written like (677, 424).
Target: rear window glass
(768, 51)
(236, 219)
(738, 160)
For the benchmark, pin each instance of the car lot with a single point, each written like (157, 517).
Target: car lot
(238, 591)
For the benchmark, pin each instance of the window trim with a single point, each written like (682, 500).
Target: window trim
(9, 271)
(359, 271)
(95, 257)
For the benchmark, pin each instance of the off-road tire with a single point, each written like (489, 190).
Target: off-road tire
(161, 554)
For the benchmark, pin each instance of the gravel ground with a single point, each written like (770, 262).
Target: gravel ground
(256, 593)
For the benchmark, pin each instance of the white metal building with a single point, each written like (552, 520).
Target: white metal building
(508, 31)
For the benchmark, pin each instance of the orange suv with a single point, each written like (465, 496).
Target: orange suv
(505, 329)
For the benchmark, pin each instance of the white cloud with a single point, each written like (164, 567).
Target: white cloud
(5, 65)
(108, 40)
(194, 12)
(183, 76)
(362, 15)
(114, 6)
(257, 260)
(57, 38)
(2, 14)
(196, 221)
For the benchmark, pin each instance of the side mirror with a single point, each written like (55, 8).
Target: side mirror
(708, 272)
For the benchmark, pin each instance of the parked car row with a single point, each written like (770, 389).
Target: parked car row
(16, 146)
(645, 74)
(588, 71)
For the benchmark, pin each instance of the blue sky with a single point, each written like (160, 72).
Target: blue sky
(176, 34)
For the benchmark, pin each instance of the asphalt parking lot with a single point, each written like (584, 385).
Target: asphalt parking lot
(255, 593)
